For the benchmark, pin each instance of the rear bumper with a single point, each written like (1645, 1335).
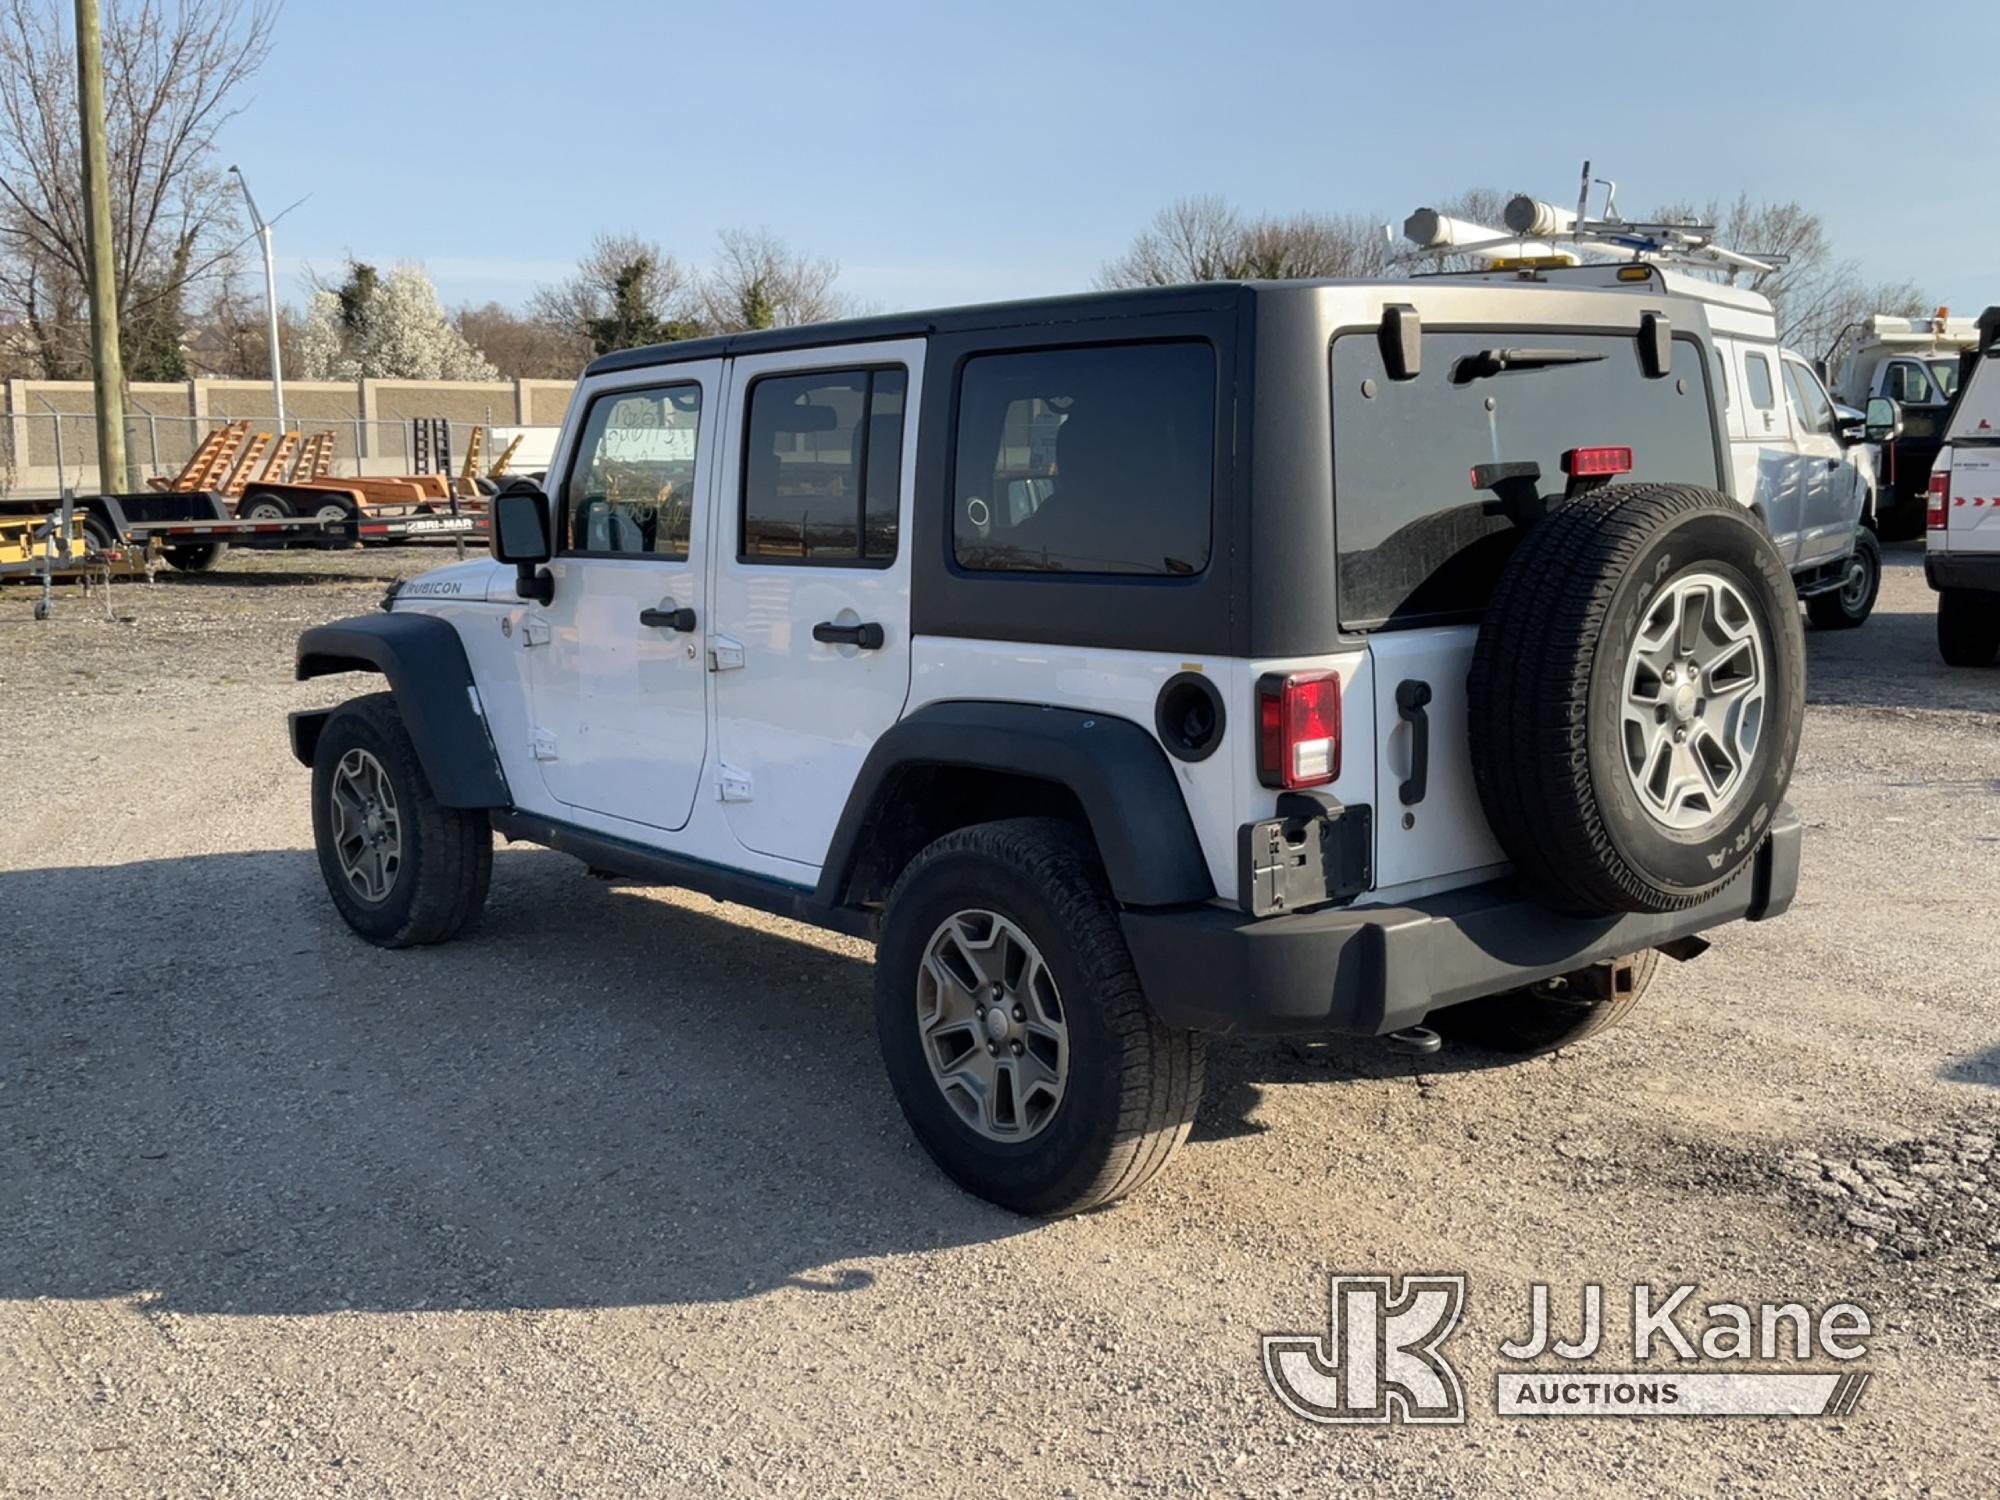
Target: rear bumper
(1368, 970)
(1979, 571)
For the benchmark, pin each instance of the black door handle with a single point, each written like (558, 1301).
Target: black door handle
(1411, 696)
(868, 637)
(668, 619)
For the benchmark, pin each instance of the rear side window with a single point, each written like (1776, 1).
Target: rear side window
(1417, 544)
(1086, 460)
(823, 466)
(1757, 373)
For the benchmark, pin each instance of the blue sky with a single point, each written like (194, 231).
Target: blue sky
(953, 152)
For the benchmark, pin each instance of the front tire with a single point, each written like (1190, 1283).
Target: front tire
(402, 868)
(1968, 627)
(1853, 602)
(1014, 1032)
(1553, 1013)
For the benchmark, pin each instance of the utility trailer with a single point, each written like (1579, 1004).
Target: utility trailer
(191, 530)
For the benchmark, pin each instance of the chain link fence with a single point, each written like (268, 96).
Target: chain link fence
(42, 453)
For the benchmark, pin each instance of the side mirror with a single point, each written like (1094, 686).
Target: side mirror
(520, 515)
(1884, 422)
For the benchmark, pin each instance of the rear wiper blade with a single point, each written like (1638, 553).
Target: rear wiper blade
(1498, 361)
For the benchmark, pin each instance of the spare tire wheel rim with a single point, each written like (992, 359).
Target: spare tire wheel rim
(992, 1025)
(367, 826)
(1692, 713)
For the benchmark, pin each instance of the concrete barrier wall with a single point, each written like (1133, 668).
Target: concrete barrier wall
(165, 422)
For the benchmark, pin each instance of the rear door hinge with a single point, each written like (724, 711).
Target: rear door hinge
(732, 785)
(543, 745)
(725, 653)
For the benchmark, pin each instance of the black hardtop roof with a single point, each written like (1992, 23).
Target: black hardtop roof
(1082, 307)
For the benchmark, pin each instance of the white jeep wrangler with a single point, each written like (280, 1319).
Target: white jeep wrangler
(1244, 658)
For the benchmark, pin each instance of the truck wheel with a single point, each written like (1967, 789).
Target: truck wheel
(1968, 627)
(1016, 1037)
(195, 559)
(1553, 1013)
(1636, 698)
(262, 505)
(402, 868)
(1854, 601)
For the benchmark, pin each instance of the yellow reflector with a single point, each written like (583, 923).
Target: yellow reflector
(1635, 273)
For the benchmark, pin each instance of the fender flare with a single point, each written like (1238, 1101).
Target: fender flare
(425, 664)
(1115, 769)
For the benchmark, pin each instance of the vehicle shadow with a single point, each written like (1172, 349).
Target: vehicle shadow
(1975, 1067)
(213, 1095)
(1241, 1068)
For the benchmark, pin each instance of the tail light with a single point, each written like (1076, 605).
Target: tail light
(1938, 500)
(1298, 729)
(1595, 463)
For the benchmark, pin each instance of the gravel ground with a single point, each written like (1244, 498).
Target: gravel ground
(611, 1197)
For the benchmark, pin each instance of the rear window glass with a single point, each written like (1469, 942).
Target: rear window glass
(1086, 460)
(1417, 543)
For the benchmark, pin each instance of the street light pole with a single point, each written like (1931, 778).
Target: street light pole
(270, 295)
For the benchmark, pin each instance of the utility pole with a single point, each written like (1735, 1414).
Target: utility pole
(270, 295)
(108, 368)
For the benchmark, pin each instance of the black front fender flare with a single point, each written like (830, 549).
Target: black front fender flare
(425, 664)
(1115, 769)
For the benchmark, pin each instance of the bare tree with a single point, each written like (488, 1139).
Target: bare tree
(760, 282)
(625, 293)
(521, 347)
(170, 76)
(1816, 293)
(1204, 239)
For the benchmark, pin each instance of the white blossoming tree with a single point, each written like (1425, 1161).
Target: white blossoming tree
(386, 328)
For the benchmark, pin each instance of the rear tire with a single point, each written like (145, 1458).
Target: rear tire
(262, 505)
(1636, 698)
(1853, 602)
(1015, 918)
(1968, 627)
(1553, 1013)
(402, 868)
(196, 559)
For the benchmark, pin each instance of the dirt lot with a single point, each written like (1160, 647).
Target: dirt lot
(611, 1198)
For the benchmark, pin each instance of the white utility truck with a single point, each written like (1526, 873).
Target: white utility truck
(1962, 533)
(1914, 363)
(1803, 469)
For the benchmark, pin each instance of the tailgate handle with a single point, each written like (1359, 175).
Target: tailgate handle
(1411, 696)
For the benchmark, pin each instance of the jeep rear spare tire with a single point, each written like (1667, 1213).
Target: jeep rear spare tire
(1636, 698)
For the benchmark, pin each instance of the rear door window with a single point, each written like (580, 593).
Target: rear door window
(1417, 544)
(1757, 374)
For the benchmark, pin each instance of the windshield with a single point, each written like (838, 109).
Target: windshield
(1416, 542)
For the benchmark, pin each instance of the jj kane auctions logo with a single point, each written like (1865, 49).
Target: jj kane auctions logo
(1381, 1358)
